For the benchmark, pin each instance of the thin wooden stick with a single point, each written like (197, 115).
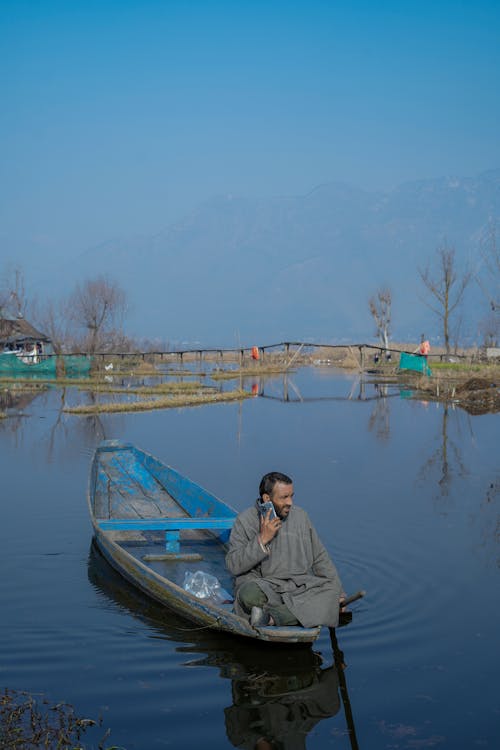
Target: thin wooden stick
(353, 598)
(340, 666)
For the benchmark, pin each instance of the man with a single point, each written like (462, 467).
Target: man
(284, 575)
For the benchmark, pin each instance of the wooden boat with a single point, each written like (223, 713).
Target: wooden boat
(156, 527)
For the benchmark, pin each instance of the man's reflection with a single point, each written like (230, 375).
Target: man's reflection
(277, 710)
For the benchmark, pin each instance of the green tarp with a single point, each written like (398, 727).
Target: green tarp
(11, 364)
(415, 362)
(76, 364)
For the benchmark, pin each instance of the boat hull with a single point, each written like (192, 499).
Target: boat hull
(122, 478)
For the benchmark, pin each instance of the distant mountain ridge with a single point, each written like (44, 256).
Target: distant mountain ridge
(294, 267)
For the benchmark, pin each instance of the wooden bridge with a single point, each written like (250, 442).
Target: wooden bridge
(285, 353)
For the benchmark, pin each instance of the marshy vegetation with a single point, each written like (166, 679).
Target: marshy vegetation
(475, 389)
(29, 721)
(160, 402)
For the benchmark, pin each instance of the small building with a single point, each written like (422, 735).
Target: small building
(20, 337)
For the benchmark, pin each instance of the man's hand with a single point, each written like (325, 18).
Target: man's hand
(269, 527)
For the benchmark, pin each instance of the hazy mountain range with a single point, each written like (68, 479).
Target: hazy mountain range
(294, 268)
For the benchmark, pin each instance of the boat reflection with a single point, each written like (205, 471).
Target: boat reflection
(279, 694)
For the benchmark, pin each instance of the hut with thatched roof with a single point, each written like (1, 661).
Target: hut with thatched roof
(17, 335)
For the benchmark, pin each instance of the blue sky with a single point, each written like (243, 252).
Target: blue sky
(119, 117)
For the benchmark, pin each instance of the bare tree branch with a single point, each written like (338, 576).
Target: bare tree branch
(380, 308)
(445, 287)
(488, 275)
(13, 300)
(98, 306)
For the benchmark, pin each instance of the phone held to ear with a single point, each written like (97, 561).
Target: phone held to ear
(264, 509)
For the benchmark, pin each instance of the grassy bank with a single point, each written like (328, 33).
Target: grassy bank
(249, 372)
(162, 402)
(475, 389)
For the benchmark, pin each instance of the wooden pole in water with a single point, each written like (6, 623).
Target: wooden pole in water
(340, 666)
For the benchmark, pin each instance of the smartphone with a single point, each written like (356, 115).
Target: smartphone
(264, 509)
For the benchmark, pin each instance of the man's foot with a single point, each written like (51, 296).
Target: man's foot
(259, 618)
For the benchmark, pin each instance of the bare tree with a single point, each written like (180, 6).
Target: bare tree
(380, 308)
(488, 275)
(445, 288)
(13, 300)
(54, 322)
(489, 327)
(98, 306)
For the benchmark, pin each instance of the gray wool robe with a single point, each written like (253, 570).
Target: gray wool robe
(297, 571)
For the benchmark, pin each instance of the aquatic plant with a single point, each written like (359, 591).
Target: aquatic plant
(31, 721)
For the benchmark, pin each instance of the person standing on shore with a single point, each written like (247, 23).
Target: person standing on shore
(424, 347)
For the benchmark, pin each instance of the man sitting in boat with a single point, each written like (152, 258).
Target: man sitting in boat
(284, 575)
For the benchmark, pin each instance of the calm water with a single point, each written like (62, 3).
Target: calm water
(406, 496)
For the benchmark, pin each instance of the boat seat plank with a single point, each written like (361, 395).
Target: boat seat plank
(171, 526)
(163, 524)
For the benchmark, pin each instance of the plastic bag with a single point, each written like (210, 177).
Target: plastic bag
(205, 586)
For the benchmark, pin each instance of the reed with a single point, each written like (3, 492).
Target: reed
(248, 372)
(159, 388)
(167, 402)
(28, 720)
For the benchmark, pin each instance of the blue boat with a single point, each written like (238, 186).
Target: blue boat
(167, 535)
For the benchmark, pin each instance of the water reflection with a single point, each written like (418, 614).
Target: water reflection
(56, 432)
(286, 389)
(276, 710)
(278, 694)
(488, 519)
(379, 419)
(88, 430)
(13, 402)
(446, 462)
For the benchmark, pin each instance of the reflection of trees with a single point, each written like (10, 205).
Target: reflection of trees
(87, 430)
(488, 520)
(91, 427)
(379, 417)
(13, 401)
(445, 465)
(446, 461)
(70, 432)
(278, 694)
